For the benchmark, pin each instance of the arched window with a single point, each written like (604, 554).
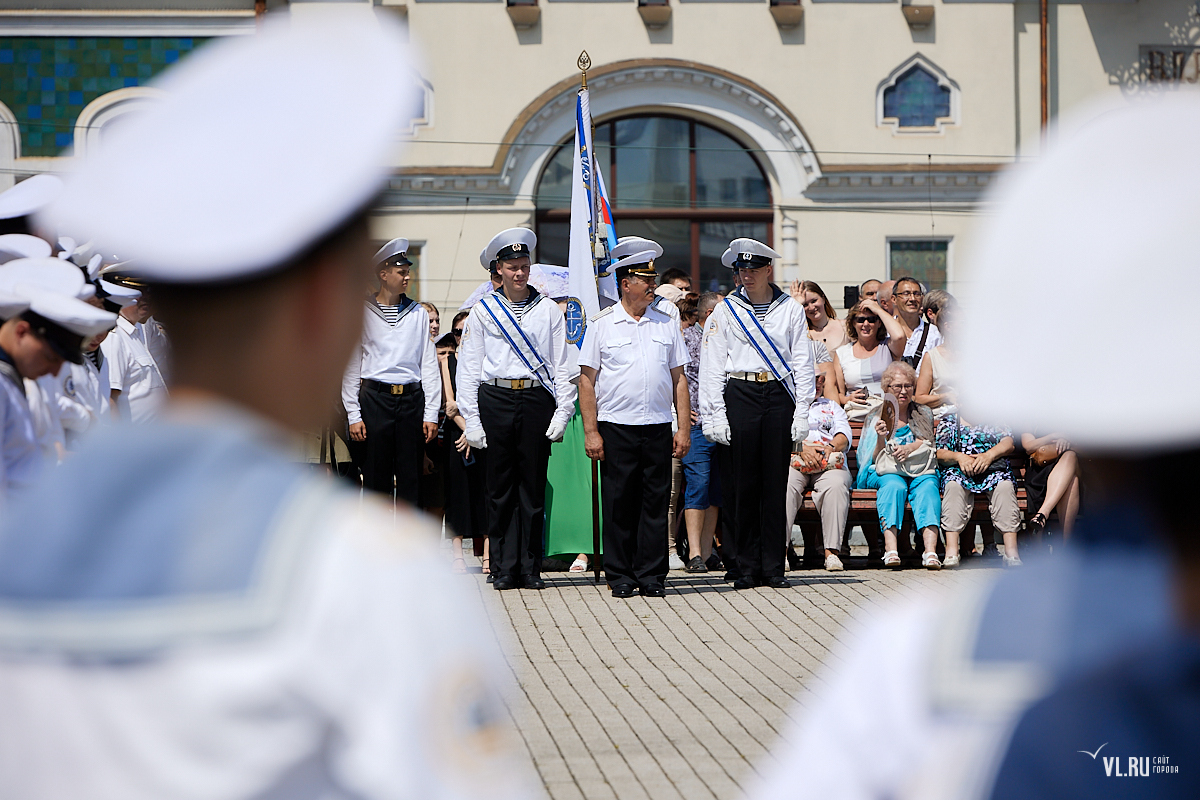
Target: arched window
(917, 97)
(683, 184)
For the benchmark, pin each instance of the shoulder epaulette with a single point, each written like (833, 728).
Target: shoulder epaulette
(604, 312)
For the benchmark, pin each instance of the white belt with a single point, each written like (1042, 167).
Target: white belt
(755, 377)
(518, 383)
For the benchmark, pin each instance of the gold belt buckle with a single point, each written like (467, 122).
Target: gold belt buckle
(397, 388)
(762, 377)
(519, 383)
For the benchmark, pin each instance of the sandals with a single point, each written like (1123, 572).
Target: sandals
(1037, 525)
(578, 565)
(930, 561)
(458, 566)
(892, 559)
(950, 561)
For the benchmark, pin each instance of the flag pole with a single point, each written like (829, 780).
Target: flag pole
(584, 63)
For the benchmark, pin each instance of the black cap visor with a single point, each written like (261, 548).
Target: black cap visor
(68, 345)
(750, 261)
(513, 251)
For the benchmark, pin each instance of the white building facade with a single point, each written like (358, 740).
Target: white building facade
(857, 138)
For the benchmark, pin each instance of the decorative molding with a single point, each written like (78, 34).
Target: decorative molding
(942, 78)
(96, 115)
(903, 183)
(423, 115)
(199, 23)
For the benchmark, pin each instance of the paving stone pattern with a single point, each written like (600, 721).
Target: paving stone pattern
(675, 697)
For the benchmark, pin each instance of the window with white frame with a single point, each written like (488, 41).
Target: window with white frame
(927, 260)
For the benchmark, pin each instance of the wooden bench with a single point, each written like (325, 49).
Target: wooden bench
(863, 513)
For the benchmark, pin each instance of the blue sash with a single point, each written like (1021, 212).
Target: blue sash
(517, 339)
(762, 343)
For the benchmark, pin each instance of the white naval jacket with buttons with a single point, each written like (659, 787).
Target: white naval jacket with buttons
(633, 360)
(397, 354)
(134, 373)
(485, 354)
(727, 349)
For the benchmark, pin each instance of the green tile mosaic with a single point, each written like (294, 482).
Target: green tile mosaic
(46, 82)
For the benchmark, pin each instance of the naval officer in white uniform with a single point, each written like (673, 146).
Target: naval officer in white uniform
(631, 366)
(393, 389)
(629, 245)
(756, 384)
(238, 626)
(515, 394)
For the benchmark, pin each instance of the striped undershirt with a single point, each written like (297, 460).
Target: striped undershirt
(760, 310)
(518, 307)
(390, 313)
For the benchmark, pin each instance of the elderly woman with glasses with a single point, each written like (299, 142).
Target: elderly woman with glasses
(901, 438)
(876, 340)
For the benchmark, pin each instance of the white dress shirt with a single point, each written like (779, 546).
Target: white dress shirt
(485, 354)
(134, 373)
(81, 392)
(152, 335)
(20, 456)
(633, 359)
(914, 341)
(727, 349)
(396, 354)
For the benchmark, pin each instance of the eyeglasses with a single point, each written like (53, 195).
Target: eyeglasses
(860, 320)
(902, 387)
(458, 331)
(910, 294)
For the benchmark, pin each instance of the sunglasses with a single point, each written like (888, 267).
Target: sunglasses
(458, 331)
(860, 320)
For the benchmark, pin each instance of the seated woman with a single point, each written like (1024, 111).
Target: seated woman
(913, 427)
(973, 462)
(1051, 481)
(822, 317)
(821, 463)
(876, 340)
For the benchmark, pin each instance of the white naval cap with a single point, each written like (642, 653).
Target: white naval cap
(1041, 347)
(220, 180)
(117, 294)
(11, 305)
(485, 261)
(750, 254)
(22, 245)
(640, 264)
(395, 249)
(510, 243)
(727, 258)
(628, 245)
(50, 274)
(30, 195)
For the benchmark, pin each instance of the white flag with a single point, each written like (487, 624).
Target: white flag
(583, 304)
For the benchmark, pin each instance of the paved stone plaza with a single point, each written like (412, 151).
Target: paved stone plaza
(675, 697)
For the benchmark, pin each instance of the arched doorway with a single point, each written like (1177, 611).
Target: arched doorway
(677, 181)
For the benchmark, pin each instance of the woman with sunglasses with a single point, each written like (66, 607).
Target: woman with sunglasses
(876, 340)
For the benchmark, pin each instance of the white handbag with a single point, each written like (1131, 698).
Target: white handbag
(922, 461)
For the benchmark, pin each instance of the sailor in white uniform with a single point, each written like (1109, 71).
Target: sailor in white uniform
(24, 199)
(515, 394)
(392, 389)
(137, 384)
(44, 326)
(756, 384)
(237, 625)
(631, 365)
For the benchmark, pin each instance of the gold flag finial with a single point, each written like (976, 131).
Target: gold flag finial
(584, 63)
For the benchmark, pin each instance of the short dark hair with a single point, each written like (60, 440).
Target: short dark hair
(688, 306)
(459, 317)
(674, 273)
(708, 300)
(908, 279)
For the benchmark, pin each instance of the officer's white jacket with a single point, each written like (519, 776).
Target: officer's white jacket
(726, 349)
(134, 373)
(485, 354)
(396, 354)
(152, 335)
(20, 455)
(237, 628)
(81, 392)
(633, 359)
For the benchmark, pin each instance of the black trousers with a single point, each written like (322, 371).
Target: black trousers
(728, 510)
(515, 421)
(466, 489)
(635, 492)
(395, 446)
(760, 447)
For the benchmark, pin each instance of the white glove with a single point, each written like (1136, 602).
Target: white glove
(556, 430)
(799, 429)
(718, 433)
(477, 438)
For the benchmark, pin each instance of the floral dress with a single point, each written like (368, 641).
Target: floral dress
(962, 437)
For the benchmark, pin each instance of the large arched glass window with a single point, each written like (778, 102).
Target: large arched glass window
(679, 182)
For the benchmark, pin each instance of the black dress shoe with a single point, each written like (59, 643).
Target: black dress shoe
(744, 583)
(532, 582)
(653, 590)
(778, 582)
(504, 582)
(623, 590)
(732, 575)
